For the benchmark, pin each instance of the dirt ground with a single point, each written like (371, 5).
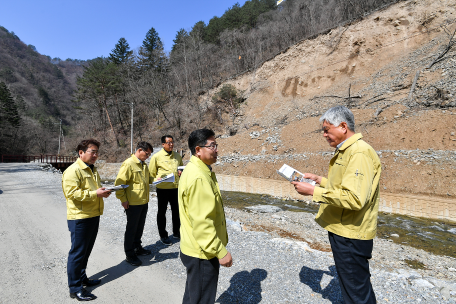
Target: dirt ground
(374, 61)
(34, 247)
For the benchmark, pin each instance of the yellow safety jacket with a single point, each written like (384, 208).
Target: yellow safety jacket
(137, 177)
(203, 225)
(80, 186)
(162, 164)
(349, 197)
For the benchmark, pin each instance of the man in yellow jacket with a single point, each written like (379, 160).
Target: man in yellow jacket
(203, 226)
(163, 163)
(84, 198)
(135, 200)
(349, 200)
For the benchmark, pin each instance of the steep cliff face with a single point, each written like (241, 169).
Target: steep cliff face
(384, 68)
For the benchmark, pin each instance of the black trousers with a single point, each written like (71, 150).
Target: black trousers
(163, 197)
(351, 258)
(83, 235)
(136, 219)
(202, 280)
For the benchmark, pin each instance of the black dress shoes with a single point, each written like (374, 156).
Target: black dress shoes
(142, 251)
(133, 260)
(82, 295)
(89, 283)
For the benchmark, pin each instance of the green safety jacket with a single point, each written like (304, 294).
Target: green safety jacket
(349, 197)
(136, 175)
(203, 225)
(80, 186)
(162, 164)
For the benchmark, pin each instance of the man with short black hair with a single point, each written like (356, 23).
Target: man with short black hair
(135, 200)
(84, 198)
(203, 230)
(163, 163)
(349, 200)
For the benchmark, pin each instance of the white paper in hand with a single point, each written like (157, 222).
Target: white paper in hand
(167, 179)
(294, 175)
(117, 188)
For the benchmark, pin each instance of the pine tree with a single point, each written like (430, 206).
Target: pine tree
(121, 52)
(151, 53)
(8, 109)
(179, 41)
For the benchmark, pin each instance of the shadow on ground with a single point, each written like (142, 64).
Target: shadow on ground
(323, 282)
(245, 287)
(123, 268)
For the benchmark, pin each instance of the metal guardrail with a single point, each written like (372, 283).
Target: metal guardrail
(37, 158)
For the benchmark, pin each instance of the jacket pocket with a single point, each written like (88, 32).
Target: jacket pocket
(337, 172)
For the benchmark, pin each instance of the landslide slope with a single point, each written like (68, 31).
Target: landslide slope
(374, 62)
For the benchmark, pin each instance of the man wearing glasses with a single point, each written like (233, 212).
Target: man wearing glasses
(84, 198)
(162, 164)
(135, 200)
(349, 199)
(203, 231)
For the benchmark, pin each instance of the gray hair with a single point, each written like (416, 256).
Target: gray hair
(337, 115)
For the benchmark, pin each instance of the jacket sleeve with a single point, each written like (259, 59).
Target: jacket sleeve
(122, 178)
(153, 167)
(71, 184)
(202, 215)
(356, 185)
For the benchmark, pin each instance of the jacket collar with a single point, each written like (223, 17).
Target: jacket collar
(351, 140)
(198, 162)
(135, 159)
(82, 164)
(163, 152)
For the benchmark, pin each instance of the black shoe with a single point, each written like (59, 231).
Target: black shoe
(133, 260)
(142, 251)
(177, 237)
(82, 295)
(87, 282)
(166, 241)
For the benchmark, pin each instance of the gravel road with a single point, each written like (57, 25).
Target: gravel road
(267, 267)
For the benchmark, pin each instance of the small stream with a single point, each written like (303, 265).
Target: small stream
(430, 235)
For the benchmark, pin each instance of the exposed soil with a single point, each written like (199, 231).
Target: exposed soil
(374, 63)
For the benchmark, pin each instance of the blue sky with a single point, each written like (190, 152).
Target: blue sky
(88, 29)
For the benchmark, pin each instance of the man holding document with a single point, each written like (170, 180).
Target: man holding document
(349, 200)
(162, 164)
(135, 200)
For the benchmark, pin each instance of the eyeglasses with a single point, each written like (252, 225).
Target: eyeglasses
(93, 152)
(147, 153)
(169, 142)
(211, 146)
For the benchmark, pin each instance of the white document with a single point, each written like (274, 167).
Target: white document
(117, 188)
(294, 175)
(181, 168)
(167, 179)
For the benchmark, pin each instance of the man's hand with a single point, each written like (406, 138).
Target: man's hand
(313, 177)
(304, 188)
(101, 192)
(227, 260)
(179, 172)
(126, 205)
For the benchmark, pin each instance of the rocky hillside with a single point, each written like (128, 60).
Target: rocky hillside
(41, 89)
(395, 69)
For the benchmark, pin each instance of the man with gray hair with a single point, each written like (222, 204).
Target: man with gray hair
(349, 200)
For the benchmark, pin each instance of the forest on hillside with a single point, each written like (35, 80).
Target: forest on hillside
(164, 89)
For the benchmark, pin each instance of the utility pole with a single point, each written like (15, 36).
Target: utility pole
(131, 146)
(60, 133)
(131, 136)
